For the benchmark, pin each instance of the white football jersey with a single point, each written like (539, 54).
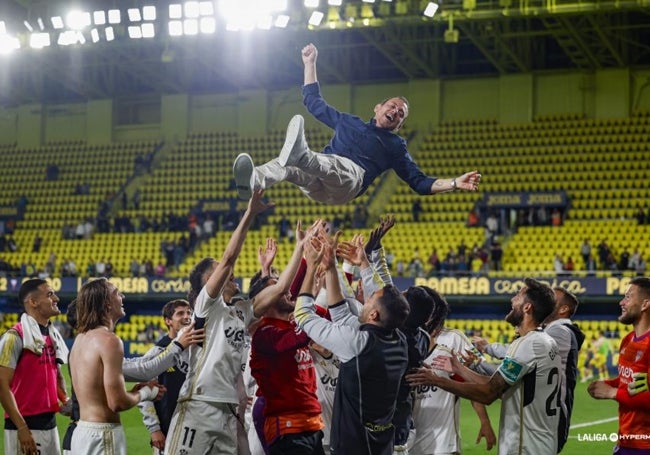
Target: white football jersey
(214, 367)
(530, 409)
(327, 374)
(436, 412)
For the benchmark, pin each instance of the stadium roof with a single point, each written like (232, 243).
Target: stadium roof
(388, 41)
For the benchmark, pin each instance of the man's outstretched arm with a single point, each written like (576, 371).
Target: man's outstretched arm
(309, 55)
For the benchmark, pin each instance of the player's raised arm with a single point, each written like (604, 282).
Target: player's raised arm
(309, 56)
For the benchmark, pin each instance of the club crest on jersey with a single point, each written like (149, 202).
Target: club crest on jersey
(510, 369)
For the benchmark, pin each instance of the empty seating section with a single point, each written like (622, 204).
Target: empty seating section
(53, 203)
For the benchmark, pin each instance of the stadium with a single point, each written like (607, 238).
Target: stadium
(120, 122)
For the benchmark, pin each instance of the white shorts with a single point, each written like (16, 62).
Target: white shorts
(95, 438)
(47, 442)
(200, 427)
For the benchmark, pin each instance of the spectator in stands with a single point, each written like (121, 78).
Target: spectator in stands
(569, 266)
(640, 215)
(641, 267)
(473, 219)
(624, 262)
(590, 266)
(542, 216)
(497, 255)
(556, 217)
(434, 262)
(491, 227)
(585, 251)
(52, 172)
(603, 254)
(358, 153)
(38, 241)
(416, 209)
(208, 227)
(100, 268)
(634, 259)
(134, 268)
(21, 204)
(558, 265)
(12, 246)
(160, 270)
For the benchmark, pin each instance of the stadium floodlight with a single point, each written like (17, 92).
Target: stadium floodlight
(206, 9)
(334, 2)
(149, 13)
(148, 30)
(81, 39)
(3, 28)
(8, 43)
(191, 9)
(39, 40)
(110, 34)
(40, 23)
(94, 35)
(368, 1)
(190, 27)
(28, 26)
(77, 20)
(208, 25)
(134, 14)
(99, 17)
(316, 18)
(135, 32)
(311, 3)
(431, 9)
(282, 21)
(175, 28)
(175, 11)
(248, 14)
(114, 16)
(57, 22)
(265, 23)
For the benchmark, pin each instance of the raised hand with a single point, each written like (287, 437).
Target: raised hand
(267, 255)
(352, 251)
(188, 336)
(257, 205)
(309, 54)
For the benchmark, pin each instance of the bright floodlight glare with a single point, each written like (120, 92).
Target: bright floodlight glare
(57, 22)
(149, 13)
(206, 9)
(40, 23)
(368, 1)
(282, 21)
(265, 23)
(135, 32)
(110, 34)
(175, 11)
(334, 2)
(316, 18)
(114, 16)
(190, 26)
(208, 25)
(28, 26)
(148, 30)
(3, 28)
(134, 14)
(311, 3)
(81, 39)
(431, 9)
(94, 35)
(78, 20)
(8, 44)
(70, 37)
(175, 28)
(39, 40)
(247, 14)
(191, 9)
(99, 17)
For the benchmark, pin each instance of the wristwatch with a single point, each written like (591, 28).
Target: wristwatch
(454, 187)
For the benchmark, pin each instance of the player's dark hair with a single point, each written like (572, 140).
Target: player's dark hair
(28, 287)
(258, 283)
(643, 283)
(196, 278)
(421, 307)
(170, 307)
(394, 309)
(541, 296)
(440, 311)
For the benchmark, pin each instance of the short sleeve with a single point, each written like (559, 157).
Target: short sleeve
(204, 302)
(11, 346)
